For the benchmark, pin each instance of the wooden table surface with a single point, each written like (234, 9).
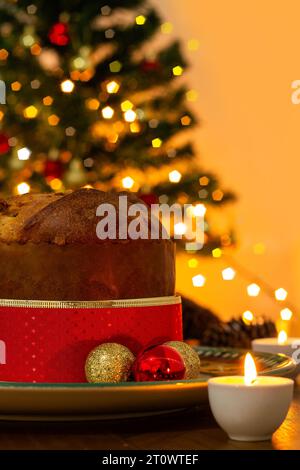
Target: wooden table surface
(193, 429)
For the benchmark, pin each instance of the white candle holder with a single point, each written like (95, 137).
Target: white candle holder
(250, 412)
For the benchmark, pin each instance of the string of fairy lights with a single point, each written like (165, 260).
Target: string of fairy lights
(255, 286)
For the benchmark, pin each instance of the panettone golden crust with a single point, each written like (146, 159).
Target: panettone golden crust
(58, 218)
(49, 250)
(17, 210)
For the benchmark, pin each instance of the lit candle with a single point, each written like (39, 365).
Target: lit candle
(280, 345)
(250, 408)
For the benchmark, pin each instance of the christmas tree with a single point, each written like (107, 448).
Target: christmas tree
(91, 101)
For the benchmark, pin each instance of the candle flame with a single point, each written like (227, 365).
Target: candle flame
(250, 370)
(282, 337)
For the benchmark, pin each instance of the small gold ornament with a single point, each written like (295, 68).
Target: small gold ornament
(109, 362)
(190, 358)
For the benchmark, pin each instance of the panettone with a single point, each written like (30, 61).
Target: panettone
(64, 290)
(49, 250)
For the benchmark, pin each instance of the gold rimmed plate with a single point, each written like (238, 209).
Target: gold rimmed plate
(60, 402)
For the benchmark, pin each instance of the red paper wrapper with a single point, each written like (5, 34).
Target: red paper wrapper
(48, 341)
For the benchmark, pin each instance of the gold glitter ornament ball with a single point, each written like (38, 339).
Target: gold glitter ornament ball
(109, 362)
(190, 358)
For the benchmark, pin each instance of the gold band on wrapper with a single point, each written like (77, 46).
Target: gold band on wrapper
(151, 302)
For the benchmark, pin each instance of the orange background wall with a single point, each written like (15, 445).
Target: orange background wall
(243, 70)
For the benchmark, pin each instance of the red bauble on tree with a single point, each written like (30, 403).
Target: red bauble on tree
(59, 34)
(150, 66)
(159, 363)
(4, 145)
(149, 198)
(53, 169)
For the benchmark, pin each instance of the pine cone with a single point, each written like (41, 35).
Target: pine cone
(196, 319)
(206, 328)
(237, 334)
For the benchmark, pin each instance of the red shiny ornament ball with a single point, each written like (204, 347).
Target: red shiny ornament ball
(4, 145)
(59, 34)
(149, 199)
(53, 169)
(157, 364)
